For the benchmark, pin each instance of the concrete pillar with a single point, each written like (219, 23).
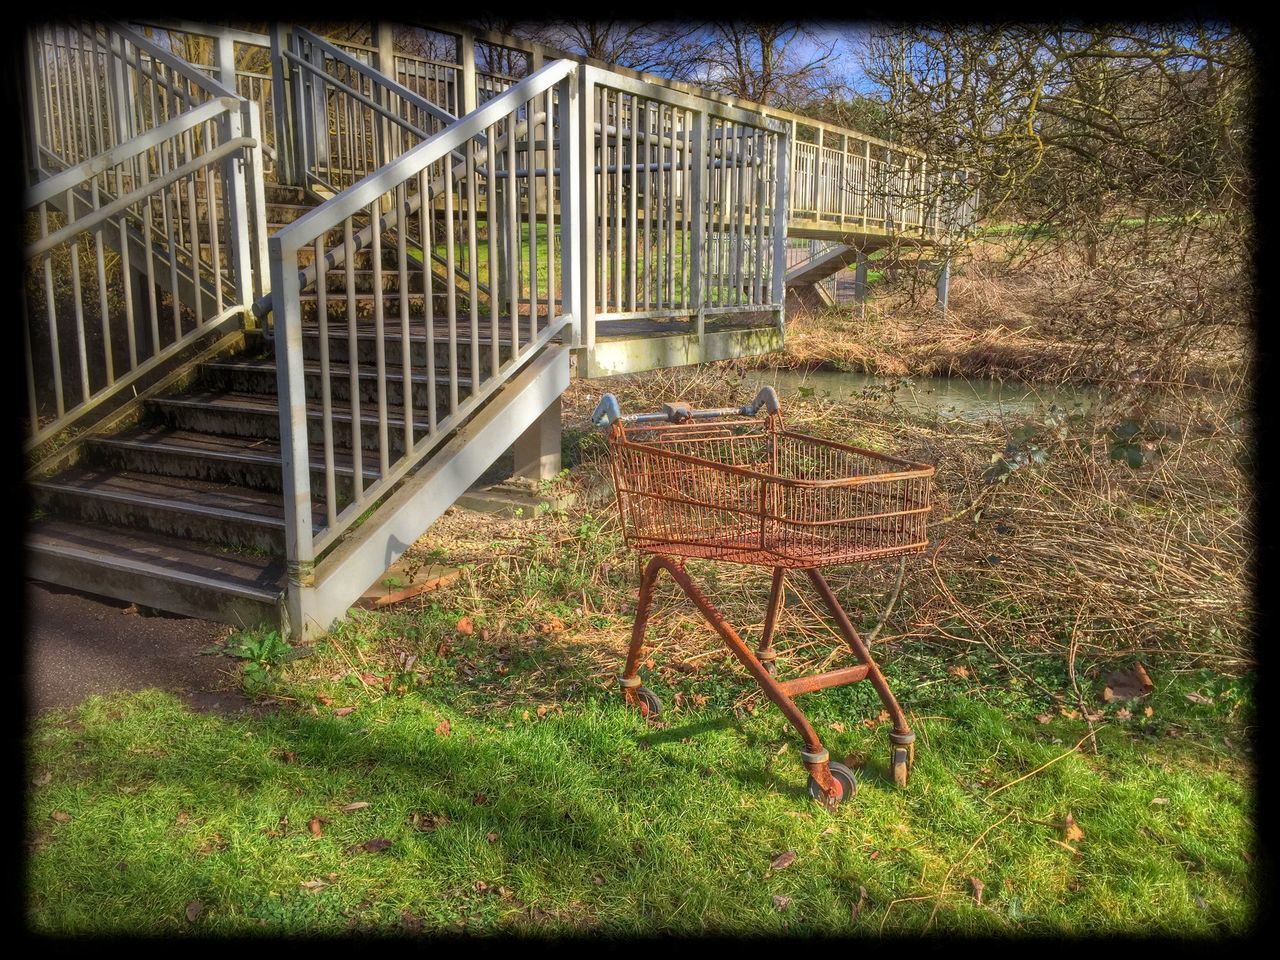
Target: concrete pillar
(537, 452)
(860, 280)
(944, 284)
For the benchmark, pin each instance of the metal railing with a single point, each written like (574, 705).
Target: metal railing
(688, 203)
(489, 216)
(350, 119)
(136, 251)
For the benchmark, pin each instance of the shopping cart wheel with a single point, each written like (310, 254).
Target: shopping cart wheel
(648, 703)
(900, 764)
(844, 779)
(770, 666)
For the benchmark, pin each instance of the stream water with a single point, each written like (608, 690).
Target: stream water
(950, 397)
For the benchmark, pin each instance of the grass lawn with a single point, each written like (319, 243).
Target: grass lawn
(509, 789)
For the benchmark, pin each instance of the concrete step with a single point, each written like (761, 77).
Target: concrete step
(259, 377)
(242, 461)
(224, 514)
(393, 343)
(169, 573)
(257, 416)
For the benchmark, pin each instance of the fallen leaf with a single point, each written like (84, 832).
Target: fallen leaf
(542, 710)
(1044, 718)
(409, 921)
(959, 671)
(1071, 830)
(1199, 698)
(1127, 684)
(427, 822)
(480, 886)
(837, 726)
(873, 855)
(1147, 712)
(492, 838)
(781, 903)
(976, 886)
(131, 610)
(1123, 714)
(444, 728)
(1070, 714)
(182, 817)
(376, 845)
(479, 799)
(783, 860)
(42, 780)
(357, 805)
(856, 910)
(1160, 800)
(290, 757)
(506, 893)
(343, 711)
(312, 884)
(314, 826)
(324, 699)
(61, 816)
(194, 909)
(598, 880)
(553, 625)
(465, 626)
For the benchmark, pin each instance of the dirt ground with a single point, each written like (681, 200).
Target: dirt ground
(79, 645)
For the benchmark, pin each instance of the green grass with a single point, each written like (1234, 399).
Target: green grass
(587, 819)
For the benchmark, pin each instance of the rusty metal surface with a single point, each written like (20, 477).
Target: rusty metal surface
(749, 491)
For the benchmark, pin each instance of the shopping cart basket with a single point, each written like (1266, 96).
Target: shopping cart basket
(723, 484)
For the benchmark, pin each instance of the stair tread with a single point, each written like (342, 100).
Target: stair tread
(230, 400)
(172, 558)
(312, 368)
(222, 446)
(179, 493)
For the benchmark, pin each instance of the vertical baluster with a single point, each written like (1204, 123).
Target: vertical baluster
(632, 253)
(29, 361)
(512, 261)
(739, 199)
(641, 108)
(194, 229)
(100, 264)
(379, 336)
(757, 220)
(491, 230)
(353, 356)
(426, 230)
(617, 203)
(52, 311)
(686, 203)
(78, 300)
(551, 159)
(671, 209)
(326, 388)
(451, 283)
(473, 270)
(531, 217)
(402, 279)
(213, 209)
(661, 265)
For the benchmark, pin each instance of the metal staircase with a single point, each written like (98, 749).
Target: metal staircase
(261, 362)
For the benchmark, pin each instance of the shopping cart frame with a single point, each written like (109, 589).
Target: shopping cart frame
(830, 782)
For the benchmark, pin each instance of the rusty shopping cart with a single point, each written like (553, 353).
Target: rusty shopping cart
(726, 485)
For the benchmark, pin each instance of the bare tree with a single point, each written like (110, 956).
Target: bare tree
(781, 64)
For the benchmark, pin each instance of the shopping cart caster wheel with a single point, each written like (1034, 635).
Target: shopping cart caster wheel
(900, 764)
(844, 779)
(647, 702)
(770, 666)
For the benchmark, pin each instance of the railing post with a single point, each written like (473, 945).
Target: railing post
(294, 447)
(467, 57)
(287, 165)
(587, 189)
(782, 194)
(570, 206)
(237, 208)
(697, 201)
(317, 113)
(257, 203)
(866, 183)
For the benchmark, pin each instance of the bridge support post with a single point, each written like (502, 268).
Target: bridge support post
(944, 285)
(860, 281)
(537, 451)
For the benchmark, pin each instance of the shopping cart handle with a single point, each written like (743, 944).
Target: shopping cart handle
(767, 398)
(607, 411)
